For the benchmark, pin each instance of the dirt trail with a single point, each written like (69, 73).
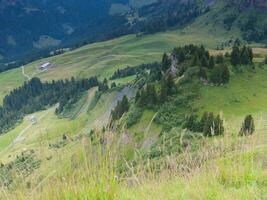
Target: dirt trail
(86, 104)
(103, 119)
(24, 74)
(20, 137)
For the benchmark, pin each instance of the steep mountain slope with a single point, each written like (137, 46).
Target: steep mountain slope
(28, 25)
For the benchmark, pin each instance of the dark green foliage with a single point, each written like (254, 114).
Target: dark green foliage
(168, 116)
(211, 62)
(163, 90)
(242, 56)
(35, 96)
(163, 14)
(248, 126)
(102, 87)
(229, 20)
(113, 85)
(120, 109)
(192, 124)
(254, 27)
(203, 73)
(220, 59)
(166, 62)
(147, 96)
(134, 116)
(130, 71)
(209, 125)
(265, 60)
(196, 60)
(220, 75)
(235, 56)
(225, 74)
(175, 142)
(18, 169)
(167, 87)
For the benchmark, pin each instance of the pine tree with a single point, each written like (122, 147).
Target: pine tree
(250, 54)
(209, 126)
(218, 126)
(151, 94)
(113, 85)
(163, 90)
(248, 126)
(225, 74)
(170, 84)
(203, 73)
(166, 62)
(235, 56)
(195, 61)
(211, 62)
(191, 123)
(244, 56)
(215, 76)
(204, 61)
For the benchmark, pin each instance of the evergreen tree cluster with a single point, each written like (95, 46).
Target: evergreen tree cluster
(220, 74)
(130, 71)
(211, 69)
(209, 125)
(121, 108)
(35, 96)
(102, 87)
(241, 55)
(148, 96)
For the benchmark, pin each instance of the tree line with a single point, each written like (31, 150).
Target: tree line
(130, 71)
(35, 95)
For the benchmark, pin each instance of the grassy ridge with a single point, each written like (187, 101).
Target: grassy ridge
(102, 59)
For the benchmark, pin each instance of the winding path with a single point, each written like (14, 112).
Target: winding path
(24, 74)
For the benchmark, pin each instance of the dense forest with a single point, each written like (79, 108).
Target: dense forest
(35, 96)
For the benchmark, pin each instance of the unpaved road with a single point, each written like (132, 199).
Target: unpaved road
(86, 104)
(24, 74)
(127, 91)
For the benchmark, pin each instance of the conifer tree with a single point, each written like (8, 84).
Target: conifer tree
(235, 56)
(218, 126)
(203, 73)
(248, 126)
(166, 62)
(196, 60)
(225, 74)
(211, 62)
(163, 90)
(215, 76)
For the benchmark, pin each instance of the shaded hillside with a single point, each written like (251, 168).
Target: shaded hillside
(31, 29)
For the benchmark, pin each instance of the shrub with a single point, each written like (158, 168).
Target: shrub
(248, 126)
(134, 116)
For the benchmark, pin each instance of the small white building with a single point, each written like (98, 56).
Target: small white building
(34, 119)
(44, 66)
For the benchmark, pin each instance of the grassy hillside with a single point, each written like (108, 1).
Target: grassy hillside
(102, 59)
(85, 165)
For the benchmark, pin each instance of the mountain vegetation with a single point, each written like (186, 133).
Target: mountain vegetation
(179, 114)
(35, 96)
(146, 18)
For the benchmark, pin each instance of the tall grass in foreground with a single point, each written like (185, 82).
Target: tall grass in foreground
(223, 168)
